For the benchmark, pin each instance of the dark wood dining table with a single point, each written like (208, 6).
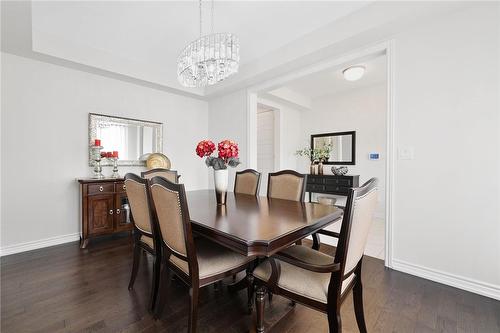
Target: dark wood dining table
(257, 226)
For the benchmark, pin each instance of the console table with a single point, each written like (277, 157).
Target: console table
(330, 184)
(105, 208)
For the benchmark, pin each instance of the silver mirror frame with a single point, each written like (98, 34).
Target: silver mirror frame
(95, 118)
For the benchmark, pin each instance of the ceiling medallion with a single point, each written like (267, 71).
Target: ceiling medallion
(209, 59)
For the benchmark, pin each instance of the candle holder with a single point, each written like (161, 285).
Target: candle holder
(115, 173)
(96, 154)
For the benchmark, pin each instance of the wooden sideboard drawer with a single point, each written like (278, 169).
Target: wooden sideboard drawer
(331, 184)
(314, 188)
(120, 187)
(339, 181)
(315, 180)
(101, 188)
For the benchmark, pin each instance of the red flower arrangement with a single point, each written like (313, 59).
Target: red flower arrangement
(205, 148)
(227, 153)
(227, 149)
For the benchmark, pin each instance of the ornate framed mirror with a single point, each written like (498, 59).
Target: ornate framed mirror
(134, 139)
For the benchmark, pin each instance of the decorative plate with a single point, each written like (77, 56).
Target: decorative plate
(158, 160)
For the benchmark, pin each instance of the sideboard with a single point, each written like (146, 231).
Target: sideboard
(105, 208)
(331, 184)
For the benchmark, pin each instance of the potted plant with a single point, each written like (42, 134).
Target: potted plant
(227, 155)
(316, 156)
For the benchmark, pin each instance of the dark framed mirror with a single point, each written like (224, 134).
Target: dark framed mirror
(342, 145)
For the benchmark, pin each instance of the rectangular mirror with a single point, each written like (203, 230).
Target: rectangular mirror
(133, 139)
(343, 146)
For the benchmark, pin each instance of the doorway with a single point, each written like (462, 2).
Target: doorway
(277, 89)
(266, 143)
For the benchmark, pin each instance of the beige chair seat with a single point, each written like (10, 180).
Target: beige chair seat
(309, 284)
(148, 241)
(212, 258)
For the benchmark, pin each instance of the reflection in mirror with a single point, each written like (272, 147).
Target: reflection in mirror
(133, 139)
(343, 146)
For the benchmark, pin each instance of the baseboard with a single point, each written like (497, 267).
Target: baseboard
(472, 285)
(28, 246)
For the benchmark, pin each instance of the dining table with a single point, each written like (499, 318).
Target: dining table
(256, 225)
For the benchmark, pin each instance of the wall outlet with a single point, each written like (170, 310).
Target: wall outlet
(406, 153)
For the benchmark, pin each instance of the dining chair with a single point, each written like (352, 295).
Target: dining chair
(329, 201)
(145, 240)
(171, 175)
(287, 185)
(196, 261)
(318, 280)
(247, 182)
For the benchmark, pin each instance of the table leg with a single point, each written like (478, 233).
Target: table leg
(259, 304)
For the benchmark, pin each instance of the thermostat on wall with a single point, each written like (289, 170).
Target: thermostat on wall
(373, 156)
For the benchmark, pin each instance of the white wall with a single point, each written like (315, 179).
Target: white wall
(228, 120)
(447, 199)
(44, 134)
(362, 110)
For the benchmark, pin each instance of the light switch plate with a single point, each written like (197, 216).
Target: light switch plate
(406, 153)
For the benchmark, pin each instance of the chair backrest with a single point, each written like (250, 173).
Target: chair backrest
(170, 175)
(174, 224)
(287, 185)
(358, 216)
(247, 182)
(139, 201)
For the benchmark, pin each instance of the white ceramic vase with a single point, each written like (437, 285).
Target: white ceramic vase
(221, 181)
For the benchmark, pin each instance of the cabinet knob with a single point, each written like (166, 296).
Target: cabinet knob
(101, 188)
(110, 212)
(118, 211)
(124, 187)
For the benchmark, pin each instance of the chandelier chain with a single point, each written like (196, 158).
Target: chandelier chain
(199, 5)
(212, 19)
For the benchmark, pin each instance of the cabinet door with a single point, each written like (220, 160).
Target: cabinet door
(123, 214)
(100, 214)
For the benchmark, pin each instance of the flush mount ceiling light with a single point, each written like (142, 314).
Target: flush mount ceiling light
(209, 59)
(354, 73)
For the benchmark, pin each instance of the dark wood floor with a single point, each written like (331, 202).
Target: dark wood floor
(65, 289)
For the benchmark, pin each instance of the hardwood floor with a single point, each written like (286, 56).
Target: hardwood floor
(66, 289)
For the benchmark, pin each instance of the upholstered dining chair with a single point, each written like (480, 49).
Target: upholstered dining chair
(247, 182)
(196, 261)
(287, 185)
(318, 280)
(171, 175)
(144, 230)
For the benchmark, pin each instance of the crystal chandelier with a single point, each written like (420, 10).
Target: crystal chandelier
(209, 59)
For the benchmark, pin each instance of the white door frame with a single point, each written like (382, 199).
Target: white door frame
(386, 48)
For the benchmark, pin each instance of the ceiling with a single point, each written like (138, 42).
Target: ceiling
(142, 39)
(139, 41)
(331, 81)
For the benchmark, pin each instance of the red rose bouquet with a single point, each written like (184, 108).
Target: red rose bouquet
(227, 153)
